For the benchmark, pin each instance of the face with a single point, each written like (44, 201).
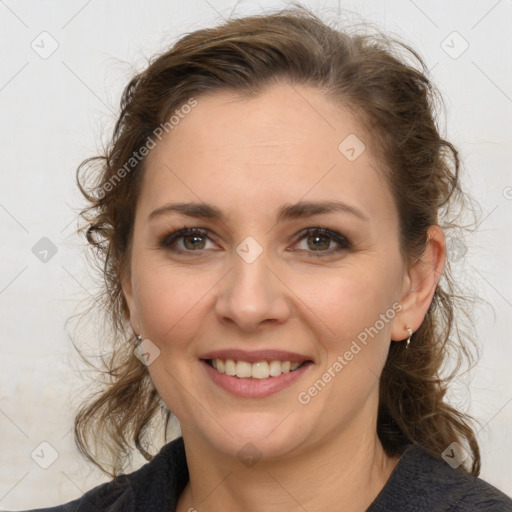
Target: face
(291, 263)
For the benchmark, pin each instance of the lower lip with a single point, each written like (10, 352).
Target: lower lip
(255, 388)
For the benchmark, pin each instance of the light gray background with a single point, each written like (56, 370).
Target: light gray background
(54, 110)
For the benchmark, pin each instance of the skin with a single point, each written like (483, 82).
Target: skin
(248, 157)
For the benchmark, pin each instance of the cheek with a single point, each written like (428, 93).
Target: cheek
(352, 305)
(349, 298)
(169, 302)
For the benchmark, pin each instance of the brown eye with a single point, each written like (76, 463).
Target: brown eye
(186, 240)
(193, 242)
(320, 242)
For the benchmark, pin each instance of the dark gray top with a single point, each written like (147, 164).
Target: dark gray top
(419, 483)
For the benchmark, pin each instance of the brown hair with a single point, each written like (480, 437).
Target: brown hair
(370, 74)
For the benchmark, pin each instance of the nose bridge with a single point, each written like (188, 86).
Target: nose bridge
(251, 293)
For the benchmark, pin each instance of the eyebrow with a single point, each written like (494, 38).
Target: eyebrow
(298, 210)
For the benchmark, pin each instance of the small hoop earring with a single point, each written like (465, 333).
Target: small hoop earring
(408, 342)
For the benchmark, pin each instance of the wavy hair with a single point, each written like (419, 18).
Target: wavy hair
(385, 83)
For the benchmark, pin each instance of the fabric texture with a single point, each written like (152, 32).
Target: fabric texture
(418, 483)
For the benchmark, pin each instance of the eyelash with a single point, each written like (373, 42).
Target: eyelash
(343, 243)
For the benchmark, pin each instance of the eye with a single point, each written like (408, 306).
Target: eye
(316, 241)
(186, 240)
(321, 240)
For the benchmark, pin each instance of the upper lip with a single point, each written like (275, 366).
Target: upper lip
(256, 355)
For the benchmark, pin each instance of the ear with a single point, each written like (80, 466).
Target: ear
(127, 287)
(420, 284)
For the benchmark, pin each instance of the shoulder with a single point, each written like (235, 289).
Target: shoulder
(154, 486)
(422, 482)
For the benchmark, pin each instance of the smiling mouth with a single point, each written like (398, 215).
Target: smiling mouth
(259, 370)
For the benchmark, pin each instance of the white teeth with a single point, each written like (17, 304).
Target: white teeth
(243, 369)
(259, 370)
(275, 368)
(230, 367)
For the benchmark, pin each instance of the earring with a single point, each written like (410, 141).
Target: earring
(139, 337)
(408, 342)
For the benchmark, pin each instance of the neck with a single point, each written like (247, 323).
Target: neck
(349, 470)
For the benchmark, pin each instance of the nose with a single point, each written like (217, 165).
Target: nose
(252, 295)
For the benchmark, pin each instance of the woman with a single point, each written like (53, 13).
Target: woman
(268, 219)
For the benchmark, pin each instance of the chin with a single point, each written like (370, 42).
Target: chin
(258, 435)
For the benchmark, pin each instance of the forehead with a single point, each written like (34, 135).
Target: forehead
(283, 145)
